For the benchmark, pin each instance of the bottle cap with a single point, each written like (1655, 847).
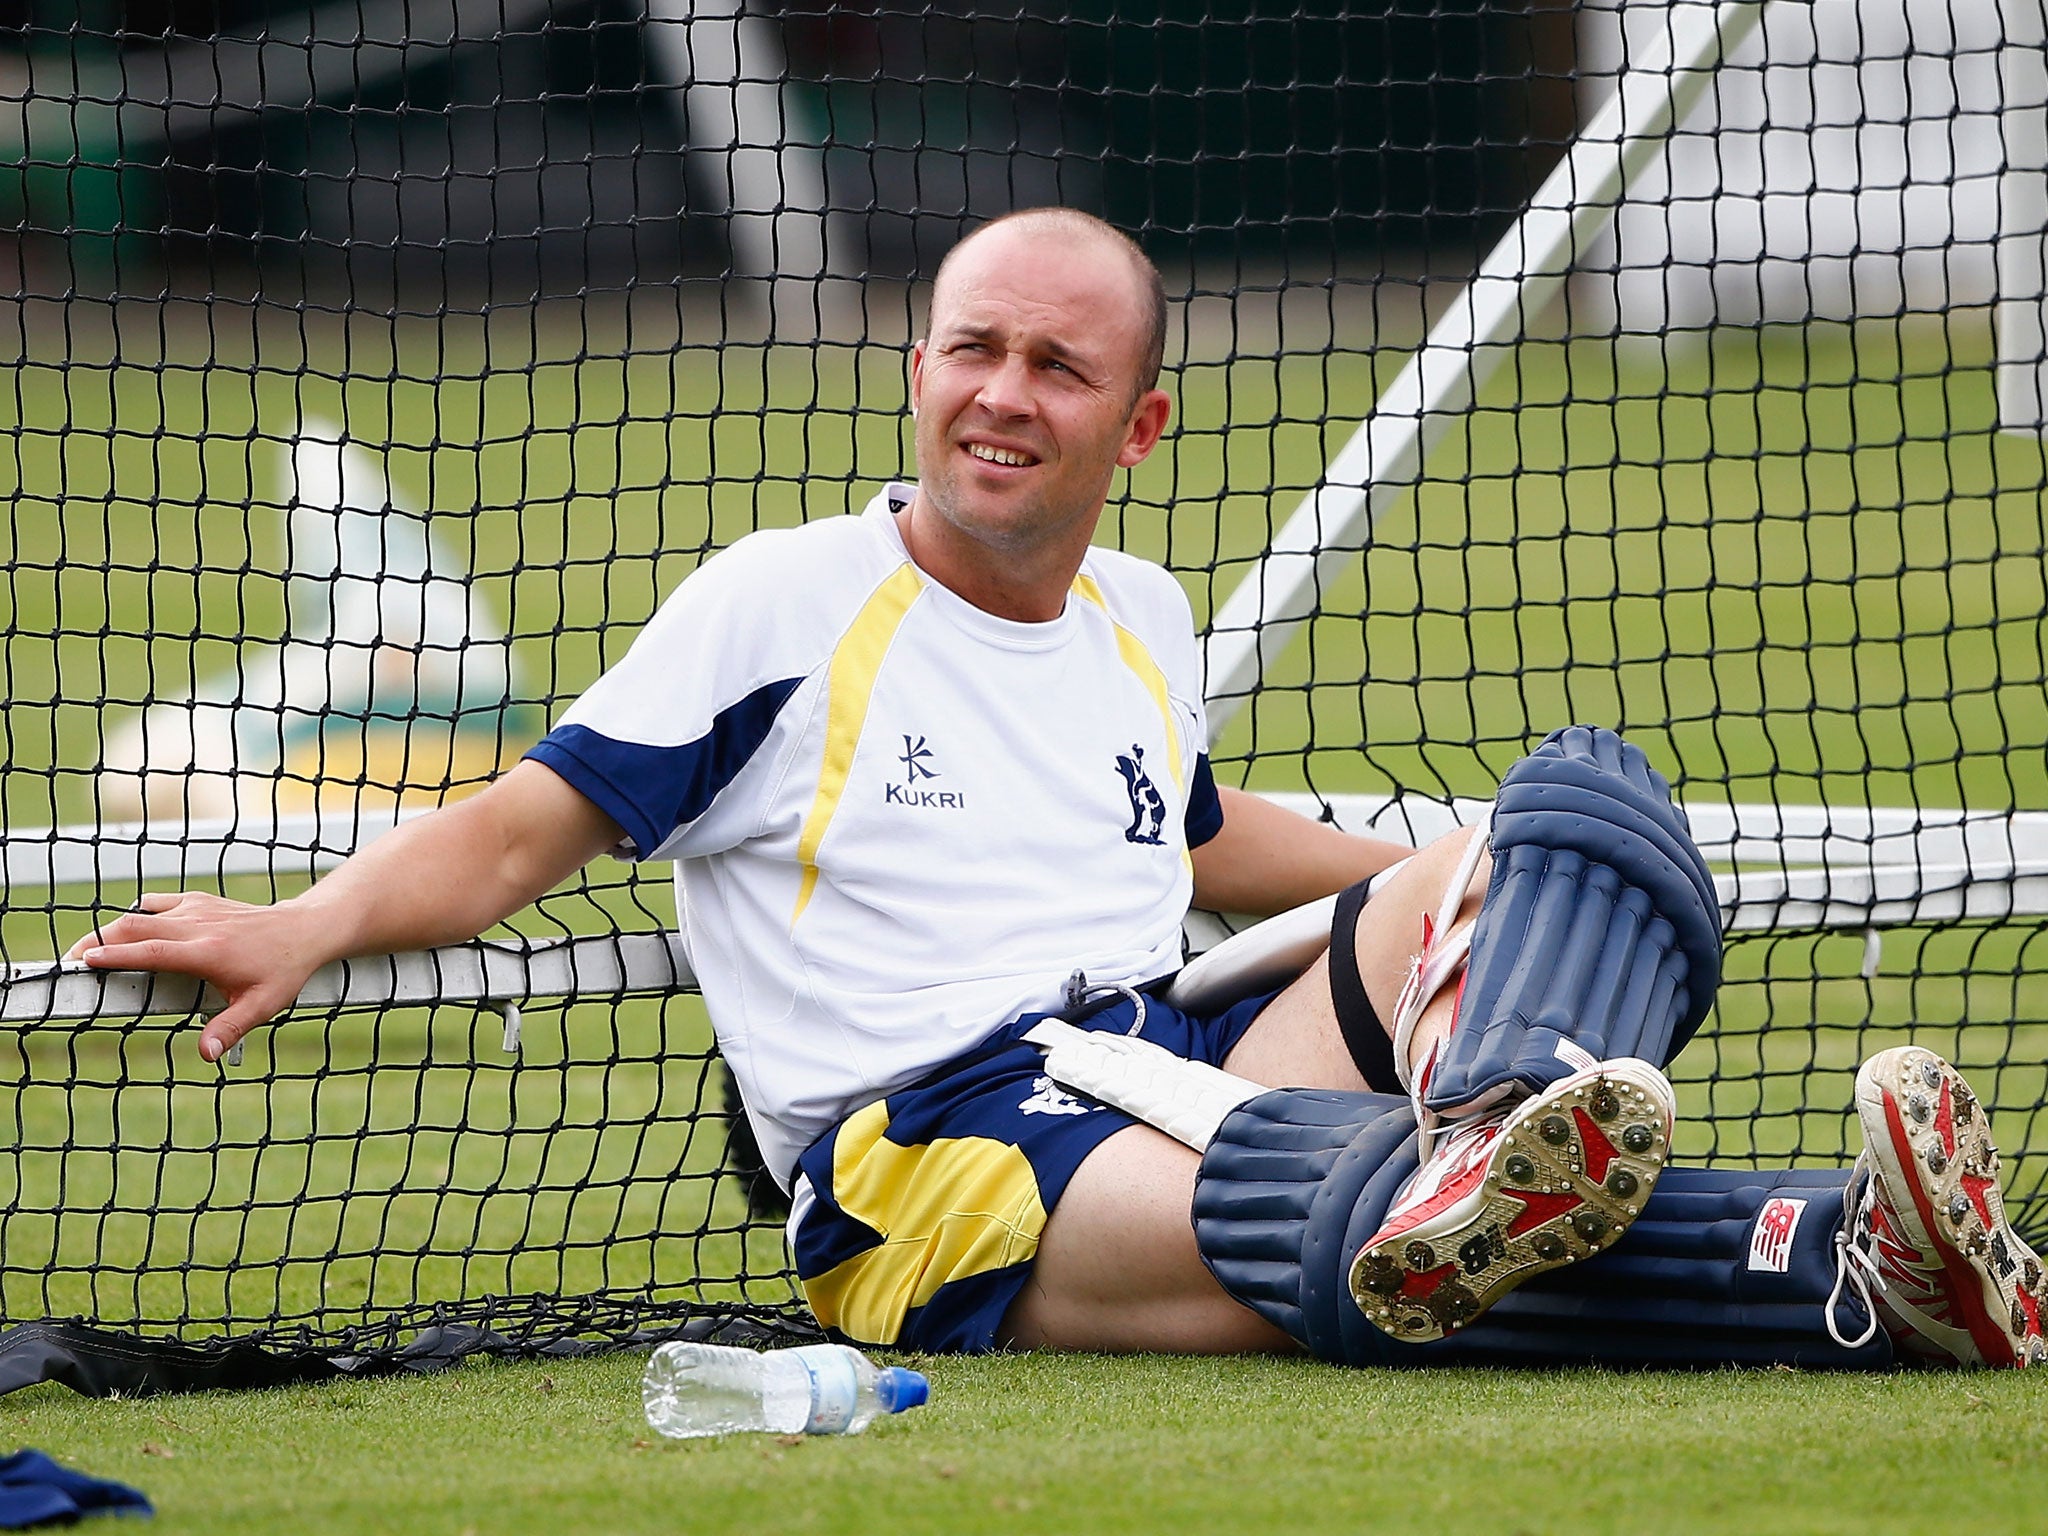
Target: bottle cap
(897, 1389)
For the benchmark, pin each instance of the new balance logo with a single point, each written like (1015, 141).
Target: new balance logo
(1148, 810)
(1482, 1249)
(1770, 1241)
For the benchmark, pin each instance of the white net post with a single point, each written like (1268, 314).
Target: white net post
(2023, 221)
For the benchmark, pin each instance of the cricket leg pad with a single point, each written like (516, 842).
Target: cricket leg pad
(1725, 1267)
(1722, 1268)
(1600, 933)
(1278, 1191)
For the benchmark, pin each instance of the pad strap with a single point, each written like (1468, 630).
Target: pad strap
(1365, 1036)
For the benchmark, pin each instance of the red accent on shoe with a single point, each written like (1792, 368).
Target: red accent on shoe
(1987, 1332)
(1539, 1208)
(1420, 1284)
(1599, 1150)
(1945, 1123)
(1974, 1185)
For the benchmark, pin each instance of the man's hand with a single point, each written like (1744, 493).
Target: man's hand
(439, 879)
(258, 958)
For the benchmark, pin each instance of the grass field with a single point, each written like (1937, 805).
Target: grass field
(1797, 565)
(1045, 1444)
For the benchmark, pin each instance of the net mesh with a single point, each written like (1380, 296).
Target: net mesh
(376, 367)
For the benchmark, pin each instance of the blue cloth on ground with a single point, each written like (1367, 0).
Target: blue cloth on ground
(35, 1490)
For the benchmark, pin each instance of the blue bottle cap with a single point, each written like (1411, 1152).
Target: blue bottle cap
(897, 1389)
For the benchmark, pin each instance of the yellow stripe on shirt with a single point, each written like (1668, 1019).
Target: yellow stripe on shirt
(959, 1207)
(849, 684)
(1140, 661)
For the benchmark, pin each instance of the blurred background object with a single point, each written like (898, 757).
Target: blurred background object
(515, 148)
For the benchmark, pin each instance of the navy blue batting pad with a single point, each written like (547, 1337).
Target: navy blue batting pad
(1724, 1267)
(1600, 926)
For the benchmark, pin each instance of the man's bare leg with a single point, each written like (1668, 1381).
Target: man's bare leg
(1117, 1268)
(1295, 1041)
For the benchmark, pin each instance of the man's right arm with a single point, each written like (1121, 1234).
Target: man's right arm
(439, 879)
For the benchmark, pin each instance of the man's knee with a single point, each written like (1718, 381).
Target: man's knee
(1288, 1192)
(1600, 933)
(1117, 1268)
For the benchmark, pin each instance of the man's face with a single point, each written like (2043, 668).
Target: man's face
(1026, 389)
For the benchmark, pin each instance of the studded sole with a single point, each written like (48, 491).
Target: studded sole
(1569, 1174)
(1934, 1141)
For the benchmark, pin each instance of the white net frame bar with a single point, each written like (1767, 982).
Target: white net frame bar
(1779, 868)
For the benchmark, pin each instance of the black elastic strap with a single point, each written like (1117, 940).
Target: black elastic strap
(1372, 1051)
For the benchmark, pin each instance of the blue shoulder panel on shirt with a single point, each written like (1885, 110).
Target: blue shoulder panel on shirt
(1205, 807)
(650, 791)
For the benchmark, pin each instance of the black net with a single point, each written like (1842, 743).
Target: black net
(376, 365)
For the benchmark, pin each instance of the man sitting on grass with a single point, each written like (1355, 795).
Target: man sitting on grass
(936, 772)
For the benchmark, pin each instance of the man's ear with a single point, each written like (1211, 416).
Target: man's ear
(916, 375)
(1148, 425)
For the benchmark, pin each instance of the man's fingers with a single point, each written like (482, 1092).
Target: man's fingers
(130, 925)
(225, 1029)
(133, 955)
(111, 932)
(219, 1037)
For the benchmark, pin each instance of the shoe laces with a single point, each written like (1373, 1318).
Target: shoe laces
(1450, 1155)
(1876, 1259)
(1856, 1266)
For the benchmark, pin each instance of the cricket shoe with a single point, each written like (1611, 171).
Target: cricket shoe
(1924, 1239)
(1551, 1179)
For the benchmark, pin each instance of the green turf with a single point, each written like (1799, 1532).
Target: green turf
(1042, 1443)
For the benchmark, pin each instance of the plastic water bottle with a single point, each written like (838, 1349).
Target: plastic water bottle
(818, 1389)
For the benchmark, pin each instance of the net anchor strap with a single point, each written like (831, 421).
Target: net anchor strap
(509, 1012)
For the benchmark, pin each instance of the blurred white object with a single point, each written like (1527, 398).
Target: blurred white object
(391, 687)
(1850, 161)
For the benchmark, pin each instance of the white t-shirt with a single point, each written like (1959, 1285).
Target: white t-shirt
(898, 820)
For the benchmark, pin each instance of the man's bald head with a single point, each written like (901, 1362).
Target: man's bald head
(1148, 290)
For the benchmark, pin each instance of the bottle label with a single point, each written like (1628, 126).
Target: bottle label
(835, 1390)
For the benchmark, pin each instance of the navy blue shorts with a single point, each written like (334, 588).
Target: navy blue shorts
(927, 1206)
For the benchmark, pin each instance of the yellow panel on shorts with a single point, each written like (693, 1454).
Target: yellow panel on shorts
(958, 1207)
